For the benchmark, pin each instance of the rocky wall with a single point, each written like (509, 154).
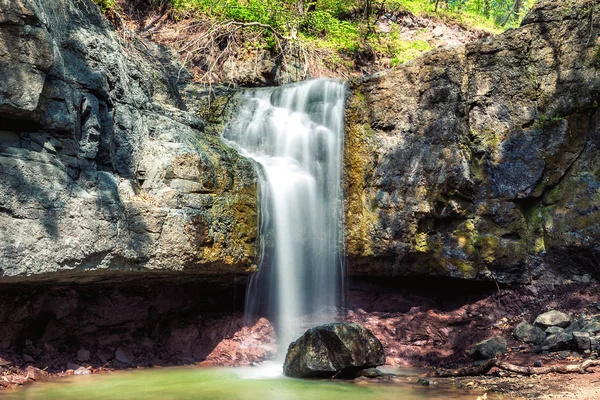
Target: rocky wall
(482, 161)
(102, 168)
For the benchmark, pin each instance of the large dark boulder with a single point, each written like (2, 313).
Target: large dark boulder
(326, 350)
(490, 348)
(528, 333)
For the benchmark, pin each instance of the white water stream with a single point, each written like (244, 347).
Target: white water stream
(295, 134)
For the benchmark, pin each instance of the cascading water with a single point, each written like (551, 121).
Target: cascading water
(295, 134)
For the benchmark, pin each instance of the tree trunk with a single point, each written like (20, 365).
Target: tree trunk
(300, 7)
(486, 367)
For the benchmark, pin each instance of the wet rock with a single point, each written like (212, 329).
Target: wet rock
(528, 333)
(333, 348)
(370, 373)
(582, 340)
(552, 318)
(424, 381)
(490, 348)
(35, 373)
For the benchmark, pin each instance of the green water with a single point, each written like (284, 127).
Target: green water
(225, 384)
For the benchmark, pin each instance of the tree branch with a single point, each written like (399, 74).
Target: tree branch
(486, 367)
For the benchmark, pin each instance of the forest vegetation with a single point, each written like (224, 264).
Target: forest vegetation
(346, 36)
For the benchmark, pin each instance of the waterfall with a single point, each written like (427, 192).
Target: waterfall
(295, 135)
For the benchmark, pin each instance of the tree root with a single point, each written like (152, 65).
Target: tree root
(485, 368)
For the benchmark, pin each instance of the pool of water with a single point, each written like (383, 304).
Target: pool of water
(226, 384)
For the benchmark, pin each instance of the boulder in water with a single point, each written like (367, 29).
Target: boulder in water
(330, 349)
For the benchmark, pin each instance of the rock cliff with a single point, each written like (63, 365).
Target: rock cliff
(482, 161)
(102, 168)
(475, 162)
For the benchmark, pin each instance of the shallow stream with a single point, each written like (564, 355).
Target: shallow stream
(227, 384)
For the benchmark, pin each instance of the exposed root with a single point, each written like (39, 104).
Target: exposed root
(485, 368)
(207, 45)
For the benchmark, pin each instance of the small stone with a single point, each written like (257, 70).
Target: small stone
(49, 148)
(35, 374)
(574, 327)
(124, 356)
(490, 348)
(83, 355)
(595, 343)
(424, 381)
(105, 355)
(35, 147)
(563, 354)
(10, 139)
(438, 31)
(582, 340)
(585, 278)
(28, 358)
(552, 318)
(528, 333)
(537, 364)
(82, 371)
(592, 327)
(554, 329)
(73, 366)
(558, 341)
(370, 373)
(39, 138)
(57, 144)
(361, 380)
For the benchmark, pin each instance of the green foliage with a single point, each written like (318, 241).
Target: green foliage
(348, 27)
(105, 5)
